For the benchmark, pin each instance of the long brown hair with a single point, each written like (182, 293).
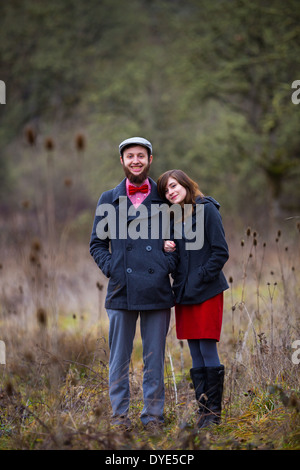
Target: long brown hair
(192, 189)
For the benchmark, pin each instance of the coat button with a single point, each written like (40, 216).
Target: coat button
(129, 270)
(148, 248)
(129, 248)
(150, 270)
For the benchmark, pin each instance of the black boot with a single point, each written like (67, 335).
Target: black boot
(213, 392)
(198, 376)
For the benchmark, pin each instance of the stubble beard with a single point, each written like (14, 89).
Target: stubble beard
(136, 179)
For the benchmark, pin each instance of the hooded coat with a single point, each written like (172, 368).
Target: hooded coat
(198, 276)
(138, 269)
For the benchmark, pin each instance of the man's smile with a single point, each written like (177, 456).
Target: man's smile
(136, 168)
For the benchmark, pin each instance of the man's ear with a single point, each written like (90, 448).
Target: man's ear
(121, 160)
(150, 159)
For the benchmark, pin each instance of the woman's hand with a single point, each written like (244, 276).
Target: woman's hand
(169, 246)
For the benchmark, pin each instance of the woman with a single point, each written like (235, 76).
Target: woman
(198, 287)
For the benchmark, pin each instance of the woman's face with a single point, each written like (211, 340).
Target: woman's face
(175, 193)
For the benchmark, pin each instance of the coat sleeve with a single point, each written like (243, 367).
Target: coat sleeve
(172, 259)
(218, 247)
(99, 247)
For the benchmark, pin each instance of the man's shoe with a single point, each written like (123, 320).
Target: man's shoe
(121, 423)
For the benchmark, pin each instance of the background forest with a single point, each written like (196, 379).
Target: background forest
(209, 83)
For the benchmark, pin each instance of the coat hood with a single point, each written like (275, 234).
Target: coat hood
(206, 200)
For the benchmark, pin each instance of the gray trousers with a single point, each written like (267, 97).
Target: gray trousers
(154, 325)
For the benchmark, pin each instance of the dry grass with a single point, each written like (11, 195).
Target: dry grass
(54, 386)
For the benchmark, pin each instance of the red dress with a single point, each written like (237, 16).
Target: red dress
(200, 321)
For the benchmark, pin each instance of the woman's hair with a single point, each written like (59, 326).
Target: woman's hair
(192, 189)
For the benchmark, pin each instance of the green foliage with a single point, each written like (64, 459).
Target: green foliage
(208, 82)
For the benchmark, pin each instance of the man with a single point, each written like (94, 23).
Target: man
(138, 270)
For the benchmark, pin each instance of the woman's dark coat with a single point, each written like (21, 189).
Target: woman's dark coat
(199, 275)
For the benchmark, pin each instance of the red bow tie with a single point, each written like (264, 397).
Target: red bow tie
(138, 189)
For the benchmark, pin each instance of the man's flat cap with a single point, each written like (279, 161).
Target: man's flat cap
(135, 141)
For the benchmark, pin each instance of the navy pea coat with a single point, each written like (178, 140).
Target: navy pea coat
(138, 269)
(199, 275)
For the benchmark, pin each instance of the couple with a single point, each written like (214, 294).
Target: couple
(139, 285)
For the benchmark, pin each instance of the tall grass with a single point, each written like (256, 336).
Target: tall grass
(54, 385)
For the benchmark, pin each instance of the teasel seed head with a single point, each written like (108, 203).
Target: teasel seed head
(33, 258)
(9, 388)
(36, 244)
(30, 135)
(26, 204)
(49, 144)
(68, 182)
(41, 315)
(80, 142)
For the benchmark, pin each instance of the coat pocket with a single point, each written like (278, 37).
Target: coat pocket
(116, 268)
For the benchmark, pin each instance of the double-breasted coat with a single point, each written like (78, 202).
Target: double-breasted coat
(138, 269)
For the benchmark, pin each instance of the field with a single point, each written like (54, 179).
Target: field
(217, 93)
(54, 385)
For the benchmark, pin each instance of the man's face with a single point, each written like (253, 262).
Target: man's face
(136, 163)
